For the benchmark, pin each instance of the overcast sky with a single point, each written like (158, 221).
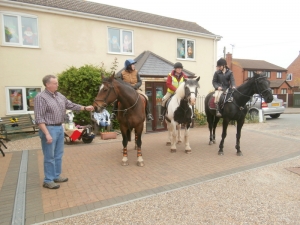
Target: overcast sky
(259, 29)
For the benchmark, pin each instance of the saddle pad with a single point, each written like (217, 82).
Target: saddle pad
(211, 103)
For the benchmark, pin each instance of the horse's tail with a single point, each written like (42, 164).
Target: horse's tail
(128, 134)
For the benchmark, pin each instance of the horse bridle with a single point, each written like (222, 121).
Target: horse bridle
(104, 100)
(256, 83)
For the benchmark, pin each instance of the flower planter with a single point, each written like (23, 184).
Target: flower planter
(108, 135)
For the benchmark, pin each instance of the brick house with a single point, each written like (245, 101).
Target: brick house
(293, 74)
(243, 69)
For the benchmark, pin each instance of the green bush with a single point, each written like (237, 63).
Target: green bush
(81, 85)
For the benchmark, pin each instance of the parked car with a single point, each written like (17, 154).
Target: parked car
(273, 109)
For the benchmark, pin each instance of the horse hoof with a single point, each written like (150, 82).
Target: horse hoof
(239, 154)
(220, 153)
(173, 150)
(210, 143)
(168, 143)
(141, 164)
(188, 151)
(125, 163)
(214, 142)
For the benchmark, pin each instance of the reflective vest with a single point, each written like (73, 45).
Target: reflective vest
(175, 82)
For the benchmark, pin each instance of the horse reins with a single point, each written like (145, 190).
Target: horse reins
(108, 93)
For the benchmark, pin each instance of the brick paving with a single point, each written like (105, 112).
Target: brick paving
(97, 179)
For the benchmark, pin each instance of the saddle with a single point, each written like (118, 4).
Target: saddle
(225, 97)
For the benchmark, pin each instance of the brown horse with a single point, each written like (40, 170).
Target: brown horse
(130, 114)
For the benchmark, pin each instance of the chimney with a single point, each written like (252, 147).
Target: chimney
(229, 60)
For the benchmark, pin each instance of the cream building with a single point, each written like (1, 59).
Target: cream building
(47, 37)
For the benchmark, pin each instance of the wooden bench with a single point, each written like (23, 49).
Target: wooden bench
(22, 125)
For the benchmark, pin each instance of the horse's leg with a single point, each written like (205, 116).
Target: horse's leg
(210, 127)
(224, 134)
(135, 140)
(140, 161)
(239, 126)
(169, 134)
(173, 136)
(215, 124)
(178, 127)
(124, 142)
(188, 149)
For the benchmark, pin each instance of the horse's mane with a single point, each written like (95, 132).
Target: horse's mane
(109, 80)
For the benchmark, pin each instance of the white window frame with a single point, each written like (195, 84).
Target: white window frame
(268, 73)
(289, 77)
(250, 74)
(19, 16)
(279, 75)
(283, 91)
(121, 42)
(23, 100)
(186, 49)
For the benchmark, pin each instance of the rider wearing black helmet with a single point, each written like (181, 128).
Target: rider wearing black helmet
(174, 79)
(223, 79)
(131, 76)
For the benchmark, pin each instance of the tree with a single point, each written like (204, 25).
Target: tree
(81, 85)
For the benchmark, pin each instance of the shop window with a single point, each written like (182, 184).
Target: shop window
(185, 49)
(120, 41)
(20, 30)
(20, 99)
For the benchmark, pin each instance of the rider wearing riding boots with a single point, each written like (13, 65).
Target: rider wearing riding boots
(131, 76)
(174, 79)
(223, 79)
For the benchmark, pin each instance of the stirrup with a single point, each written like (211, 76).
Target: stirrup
(161, 118)
(218, 114)
(149, 117)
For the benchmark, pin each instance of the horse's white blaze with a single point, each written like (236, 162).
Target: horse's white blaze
(101, 87)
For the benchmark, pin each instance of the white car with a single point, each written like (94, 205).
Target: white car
(273, 109)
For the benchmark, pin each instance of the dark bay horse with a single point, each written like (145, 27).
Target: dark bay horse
(131, 111)
(235, 108)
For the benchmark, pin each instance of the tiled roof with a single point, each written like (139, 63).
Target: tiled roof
(277, 83)
(150, 64)
(119, 13)
(256, 65)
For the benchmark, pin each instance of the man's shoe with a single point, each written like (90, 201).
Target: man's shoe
(51, 185)
(61, 179)
(112, 116)
(149, 117)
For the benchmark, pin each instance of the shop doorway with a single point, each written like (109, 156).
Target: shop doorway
(155, 91)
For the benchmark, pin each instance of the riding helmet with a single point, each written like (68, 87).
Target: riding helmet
(129, 62)
(221, 62)
(178, 65)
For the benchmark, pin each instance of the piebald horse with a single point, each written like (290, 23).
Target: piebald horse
(183, 99)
